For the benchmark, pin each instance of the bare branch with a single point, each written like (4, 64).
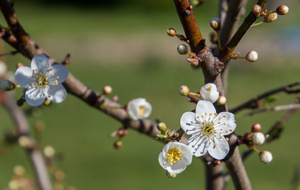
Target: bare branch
(276, 108)
(249, 103)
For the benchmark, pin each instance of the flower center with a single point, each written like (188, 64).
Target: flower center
(142, 110)
(174, 155)
(207, 129)
(208, 89)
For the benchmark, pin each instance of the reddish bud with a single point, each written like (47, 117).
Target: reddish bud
(184, 90)
(282, 10)
(256, 127)
(106, 90)
(182, 49)
(215, 23)
(171, 32)
(256, 10)
(270, 17)
(118, 144)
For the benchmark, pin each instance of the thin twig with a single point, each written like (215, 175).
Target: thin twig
(249, 103)
(276, 108)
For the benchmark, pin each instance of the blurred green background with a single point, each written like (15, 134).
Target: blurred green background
(124, 44)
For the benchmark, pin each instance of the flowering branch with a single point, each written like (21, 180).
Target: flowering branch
(253, 103)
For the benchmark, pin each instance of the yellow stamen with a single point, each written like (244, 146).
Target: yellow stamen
(174, 155)
(56, 82)
(142, 110)
(57, 77)
(209, 89)
(227, 139)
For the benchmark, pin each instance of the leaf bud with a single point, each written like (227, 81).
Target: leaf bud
(252, 56)
(256, 127)
(171, 32)
(265, 156)
(215, 23)
(258, 138)
(184, 90)
(162, 127)
(182, 49)
(7, 85)
(169, 175)
(160, 137)
(270, 17)
(106, 90)
(256, 10)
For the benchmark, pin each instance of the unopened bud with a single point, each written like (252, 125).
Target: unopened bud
(215, 23)
(162, 127)
(213, 38)
(282, 10)
(59, 175)
(258, 138)
(47, 102)
(256, 127)
(194, 62)
(256, 10)
(122, 132)
(19, 65)
(184, 90)
(25, 142)
(107, 90)
(252, 56)
(115, 98)
(171, 32)
(19, 170)
(3, 68)
(7, 85)
(270, 17)
(169, 175)
(118, 144)
(265, 156)
(49, 151)
(182, 49)
(222, 100)
(160, 136)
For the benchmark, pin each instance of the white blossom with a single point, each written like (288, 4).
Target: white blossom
(265, 156)
(207, 130)
(175, 157)
(209, 92)
(258, 138)
(139, 108)
(42, 80)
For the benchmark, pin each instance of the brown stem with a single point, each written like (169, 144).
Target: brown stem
(276, 108)
(249, 103)
(214, 177)
(34, 154)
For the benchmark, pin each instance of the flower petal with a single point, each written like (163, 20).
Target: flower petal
(40, 62)
(204, 108)
(176, 168)
(60, 73)
(166, 149)
(209, 92)
(198, 145)
(227, 123)
(162, 160)
(56, 94)
(221, 150)
(23, 76)
(188, 123)
(34, 96)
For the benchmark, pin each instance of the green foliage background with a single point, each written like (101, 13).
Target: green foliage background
(81, 133)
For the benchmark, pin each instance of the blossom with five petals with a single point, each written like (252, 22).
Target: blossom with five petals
(175, 157)
(42, 80)
(207, 130)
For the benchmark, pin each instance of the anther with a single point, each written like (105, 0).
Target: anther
(226, 131)
(227, 139)
(216, 114)
(56, 83)
(198, 117)
(57, 77)
(215, 144)
(220, 138)
(231, 130)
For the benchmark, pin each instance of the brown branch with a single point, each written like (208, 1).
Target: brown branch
(249, 20)
(249, 103)
(34, 154)
(276, 108)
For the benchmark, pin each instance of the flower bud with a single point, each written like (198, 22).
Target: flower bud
(184, 90)
(19, 170)
(118, 144)
(252, 56)
(209, 92)
(182, 49)
(19, 65)
(161, 136)
(7, 85)
(169, 175)
(107, 90)
(194, 62)
(171, 32)
(270, 17)
(265, 156)
(3, 68)
(49, 151)
(222, 100)
(256, 10)
(256, 127)
(115, 98)
(215, 23)
(25, 142)
(162, 127)
(47, 102)
(122, 132)
(258, 138)
(282, 10)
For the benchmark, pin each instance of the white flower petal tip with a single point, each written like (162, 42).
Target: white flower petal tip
(208, 130)
(175, 157)
(139, 108)
(42, 81)
(252, 56)
(265, 156)
(209, 92)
